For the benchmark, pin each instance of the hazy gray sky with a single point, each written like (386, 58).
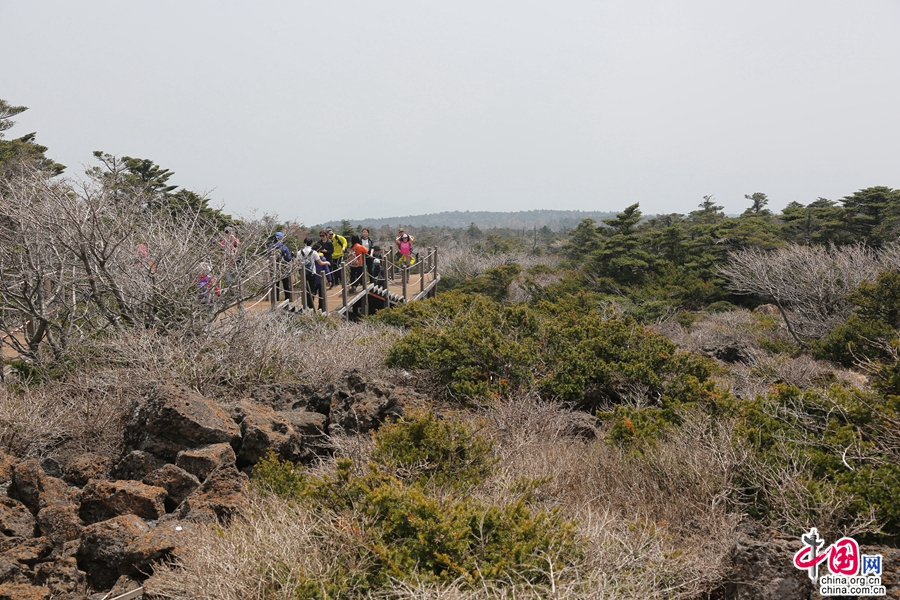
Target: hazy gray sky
(330, 110)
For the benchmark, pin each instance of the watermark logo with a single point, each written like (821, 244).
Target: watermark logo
(850, 573)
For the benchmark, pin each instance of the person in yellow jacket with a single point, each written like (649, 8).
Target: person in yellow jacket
(337, 257)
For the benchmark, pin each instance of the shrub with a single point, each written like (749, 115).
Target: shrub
(481, 348)
(595, 359)
(425, 450)
(837, 445)
(476, 346)
(864, 336)
(404, 533)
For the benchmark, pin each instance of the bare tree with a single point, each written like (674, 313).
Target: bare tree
(80, 257)
(809, 285)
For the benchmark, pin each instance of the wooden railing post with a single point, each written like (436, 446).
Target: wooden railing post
(344, 286)
(422, 276)
(308, 300)
(365, 287)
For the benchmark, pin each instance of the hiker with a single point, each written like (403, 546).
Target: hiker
(367, 241)
(312, 263)
(283, 256)
(400, 235)
(356, 259)
(337, 256)
(404, 248)
(325, 248)
(206, 285)
(375, 270)
(142, 258)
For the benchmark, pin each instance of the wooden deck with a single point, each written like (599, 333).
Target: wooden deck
(398, 285)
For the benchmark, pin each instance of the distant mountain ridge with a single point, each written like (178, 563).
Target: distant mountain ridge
(556, 220)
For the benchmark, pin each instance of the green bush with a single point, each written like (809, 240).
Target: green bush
(409, 529)
(842, 439)
(274, 476)
(596, 358)
(494, 283)
(720, 307)
(566, 348)
(416, 536)
(867, 333)
(478, 347)
(427, 451)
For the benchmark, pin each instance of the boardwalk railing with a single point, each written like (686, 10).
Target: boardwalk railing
(394, 284)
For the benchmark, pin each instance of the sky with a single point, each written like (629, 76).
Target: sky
(317, 111)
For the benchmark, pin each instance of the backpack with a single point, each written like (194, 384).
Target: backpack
(306, 253)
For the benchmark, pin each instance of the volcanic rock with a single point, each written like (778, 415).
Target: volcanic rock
(107, 499)
(173, 418)
(203, 461)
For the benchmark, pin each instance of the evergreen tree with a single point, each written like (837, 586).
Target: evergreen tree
(583, 240)
(755, 228)
(621, 256)
(819, 223)
(23, 150)
(873, 215)
(759, 204)
(709, 212)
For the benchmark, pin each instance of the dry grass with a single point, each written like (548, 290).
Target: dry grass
(656, 525)
(86, 409)
(794, 507)
(748, 338)
(58, 419)
(462, 262)
(242, 351)
(265, 554)
(653, 526)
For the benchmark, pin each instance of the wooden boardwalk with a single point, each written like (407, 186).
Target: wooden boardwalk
(397, 285)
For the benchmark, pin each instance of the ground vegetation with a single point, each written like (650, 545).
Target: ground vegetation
(600, 412)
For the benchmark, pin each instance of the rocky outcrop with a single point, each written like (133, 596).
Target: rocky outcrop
(83, 523)
(62, 577)
(135, 465)
(24, 591)
(15, 519)
(6, 464)
(107, 499)
(200, 462)
(82, 468)
(102, 553)
(221, 497)
(177, 482)
(173, 418)
(357, 405)
(262, 430)
(762, 568)
(34, 488)
(60, 522)
(283, 396)
(162, 542)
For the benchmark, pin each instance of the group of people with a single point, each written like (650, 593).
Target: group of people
(328, 254)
